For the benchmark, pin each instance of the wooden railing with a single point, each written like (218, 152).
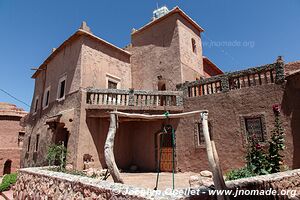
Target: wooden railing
(133, 97)
(268, 74)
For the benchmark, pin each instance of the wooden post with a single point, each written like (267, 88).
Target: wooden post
(210, 155)
(109, 150)
(221, 179)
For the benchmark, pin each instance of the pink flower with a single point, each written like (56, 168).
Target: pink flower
(276, 108)
(258, 146)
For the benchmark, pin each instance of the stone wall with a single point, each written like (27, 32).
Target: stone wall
(281, 182)
(38, 183)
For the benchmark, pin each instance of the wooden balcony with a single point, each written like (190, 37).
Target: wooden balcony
(135, 100)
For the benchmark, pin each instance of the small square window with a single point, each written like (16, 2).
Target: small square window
(112, 82)
(254, 127)
(112, 85)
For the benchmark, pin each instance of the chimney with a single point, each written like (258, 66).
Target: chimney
(85, 27)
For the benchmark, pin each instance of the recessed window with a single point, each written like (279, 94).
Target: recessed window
(112, 82)
(112, 85)
(194, 47)
(37, 142)
(28, 145)
(61, 90)
(46, 98)
(36, 104)
(200, 134)
(254, 127)
(21, 139)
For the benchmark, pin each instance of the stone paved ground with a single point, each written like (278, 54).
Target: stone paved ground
(148, 180)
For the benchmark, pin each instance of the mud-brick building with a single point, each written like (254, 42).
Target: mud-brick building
(162, 69)
(12, 134)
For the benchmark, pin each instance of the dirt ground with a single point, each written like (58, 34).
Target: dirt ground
(148, 180)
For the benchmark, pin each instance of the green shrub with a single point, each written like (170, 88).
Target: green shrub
(56, 155)
(7, 181)
(239, 173)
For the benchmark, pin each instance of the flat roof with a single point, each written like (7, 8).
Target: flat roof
(171, 12)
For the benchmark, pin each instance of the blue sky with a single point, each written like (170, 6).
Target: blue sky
(238, 34)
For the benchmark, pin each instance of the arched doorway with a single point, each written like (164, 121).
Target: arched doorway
(61, 135)
(7, 167)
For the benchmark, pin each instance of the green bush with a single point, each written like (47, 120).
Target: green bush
(7, 181)
(239, 173)
(56, 155)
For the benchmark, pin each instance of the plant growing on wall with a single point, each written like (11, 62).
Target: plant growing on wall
(56, 155)
(256, 157)
(276, 143)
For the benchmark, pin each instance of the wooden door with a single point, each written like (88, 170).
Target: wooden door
(166, 152)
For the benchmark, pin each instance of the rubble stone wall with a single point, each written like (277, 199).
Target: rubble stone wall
(38, 183)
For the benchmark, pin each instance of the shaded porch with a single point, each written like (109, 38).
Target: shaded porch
(136, 145)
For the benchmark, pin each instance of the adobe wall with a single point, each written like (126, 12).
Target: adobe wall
(291, 108)
(191, 62)
(155, 52)
(225, 112)
(165, 49)
(66, 112)
(9, 149)
(12, 154)
(66, 62)
(9, 131)
(99, 61)
(10, 142)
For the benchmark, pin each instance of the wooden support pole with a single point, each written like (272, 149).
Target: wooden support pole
(109, 150)
(210, 155)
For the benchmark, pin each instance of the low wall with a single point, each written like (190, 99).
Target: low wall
(38, 183)
(282, 182)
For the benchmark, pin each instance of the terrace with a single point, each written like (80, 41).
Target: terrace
(137, 100)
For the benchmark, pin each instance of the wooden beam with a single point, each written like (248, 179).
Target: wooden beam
(109, 150)
(149, 117)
